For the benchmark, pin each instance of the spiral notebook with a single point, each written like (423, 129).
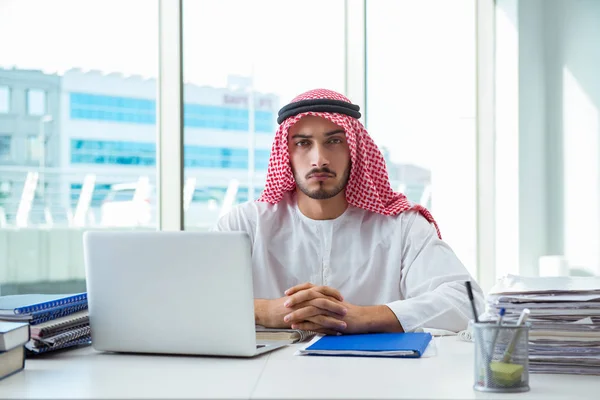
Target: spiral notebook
(33, 348)
(42, 316)
(55, 326)
(24, 304)
(66, 336)
(288, 335)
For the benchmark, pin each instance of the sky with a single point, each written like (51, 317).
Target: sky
(219, 39)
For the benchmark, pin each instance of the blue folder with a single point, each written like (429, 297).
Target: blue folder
(411, 344)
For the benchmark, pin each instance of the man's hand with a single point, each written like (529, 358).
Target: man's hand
(322, 303)
(357, 319)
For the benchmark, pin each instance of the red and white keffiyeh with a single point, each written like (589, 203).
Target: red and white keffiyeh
(368, 187)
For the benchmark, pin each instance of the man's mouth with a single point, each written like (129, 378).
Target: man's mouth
(320, 176)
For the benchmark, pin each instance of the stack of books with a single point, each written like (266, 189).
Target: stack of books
(564, 316)
(13, 336)
(55, 321)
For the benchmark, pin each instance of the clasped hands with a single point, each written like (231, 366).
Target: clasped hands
(322, 309)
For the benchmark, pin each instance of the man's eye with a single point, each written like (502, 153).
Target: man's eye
(302, 143)
(335, 141)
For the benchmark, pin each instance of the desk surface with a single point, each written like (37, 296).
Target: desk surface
(85, 373)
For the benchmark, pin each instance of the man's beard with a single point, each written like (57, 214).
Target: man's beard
(321, 193)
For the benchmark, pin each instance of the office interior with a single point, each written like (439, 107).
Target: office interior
(145, 115)
(487, 113)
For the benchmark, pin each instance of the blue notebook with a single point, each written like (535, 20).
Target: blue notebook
(33, 303)
(411, 344)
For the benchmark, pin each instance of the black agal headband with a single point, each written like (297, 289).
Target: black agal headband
(318, 105)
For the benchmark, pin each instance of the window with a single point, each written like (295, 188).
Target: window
(4, 99)
(91, 101)
(87, 106)
(34, 148)
(5, 147)
(100, 193)
(5, 191)
(207, 194)
(36, 102)
(250, 72)
(140, 153)
(421, 108)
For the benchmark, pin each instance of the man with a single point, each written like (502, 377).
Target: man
(334, 249)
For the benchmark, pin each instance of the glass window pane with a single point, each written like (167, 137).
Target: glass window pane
(80, 158)
(34, 148)
(36, 102)
(421, 108)
(256, 55)
(5, 147)
(4, 99)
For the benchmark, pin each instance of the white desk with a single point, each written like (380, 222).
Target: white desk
(85, 373)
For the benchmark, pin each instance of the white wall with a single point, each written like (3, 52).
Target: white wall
(572, 33)
(548, 128)
(507, 137)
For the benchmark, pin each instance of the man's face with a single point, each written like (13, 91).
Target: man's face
(320, 157)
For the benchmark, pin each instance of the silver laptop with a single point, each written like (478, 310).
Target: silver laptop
(171, 292)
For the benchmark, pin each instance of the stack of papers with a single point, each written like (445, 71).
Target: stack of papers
(565, 320)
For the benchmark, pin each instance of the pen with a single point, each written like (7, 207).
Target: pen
(499, 323)
(484, 371)
(511, 347)
(470, 293)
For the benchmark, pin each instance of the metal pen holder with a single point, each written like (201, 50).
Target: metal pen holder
(501, 357)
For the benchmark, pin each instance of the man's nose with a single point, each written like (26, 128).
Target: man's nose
(319, 157)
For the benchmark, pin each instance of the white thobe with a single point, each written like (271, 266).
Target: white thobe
(371, 259)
